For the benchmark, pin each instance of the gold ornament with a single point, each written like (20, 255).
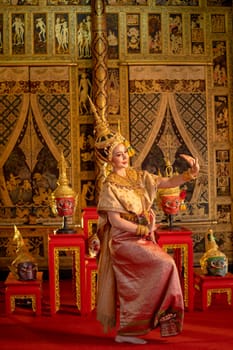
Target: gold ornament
(63, 199)
(24, 266)
(213, 262)
(142, 230)
(105, 139)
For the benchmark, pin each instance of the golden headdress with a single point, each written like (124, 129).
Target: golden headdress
(105, 139)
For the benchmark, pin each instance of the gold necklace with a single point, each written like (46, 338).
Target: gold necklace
(129, 180)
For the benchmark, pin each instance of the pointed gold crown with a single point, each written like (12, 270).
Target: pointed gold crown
(22, 252)
(63, 189)
(105, 139)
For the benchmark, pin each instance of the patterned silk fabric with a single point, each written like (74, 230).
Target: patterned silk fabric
(135, 271)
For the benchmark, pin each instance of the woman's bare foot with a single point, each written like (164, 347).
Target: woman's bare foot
(132, 340)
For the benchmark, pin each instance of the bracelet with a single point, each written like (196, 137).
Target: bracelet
(142, 230)
(187, 176)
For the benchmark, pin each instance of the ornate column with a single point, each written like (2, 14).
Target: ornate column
(100, 71)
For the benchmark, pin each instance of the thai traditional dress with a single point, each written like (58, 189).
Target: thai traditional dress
(134, 271)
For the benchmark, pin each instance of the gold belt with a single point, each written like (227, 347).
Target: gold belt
(142, 219)
(130, 217)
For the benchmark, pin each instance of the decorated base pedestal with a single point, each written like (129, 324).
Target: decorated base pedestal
(169, 220)
(65, 229)
(179, 240)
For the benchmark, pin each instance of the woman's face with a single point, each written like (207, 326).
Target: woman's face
(120, 157)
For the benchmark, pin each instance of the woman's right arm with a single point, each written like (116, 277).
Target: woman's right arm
(118, 222)
(177, 180)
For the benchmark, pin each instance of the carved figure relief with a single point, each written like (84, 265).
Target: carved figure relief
(88, 194)
(224, 213)
(114, 91)
(112, 35)
(18, 33)
(221, 118)
(223, 172)
(155, 33)
(40, 33)
(197, 34)
(133, 33)
(176, 34)
(86, 139)
(84, 35)
(84, 89)
(61, 32)
(219, 63)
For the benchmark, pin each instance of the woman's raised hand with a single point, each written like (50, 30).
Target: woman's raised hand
(194, 164)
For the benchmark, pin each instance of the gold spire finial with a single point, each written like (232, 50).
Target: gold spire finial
(63, 189)
(105, 139)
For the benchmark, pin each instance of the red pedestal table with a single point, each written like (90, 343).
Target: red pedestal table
(17, 289)
(180, 240)
(209, 285)
(75, 244)
(91, 283)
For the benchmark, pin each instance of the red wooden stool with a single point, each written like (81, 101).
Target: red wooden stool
(69, 243)
(17, 289)
(209, 285)
(180, 239)
(90, 218)
(91, 284)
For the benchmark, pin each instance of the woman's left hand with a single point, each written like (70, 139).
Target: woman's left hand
(194, 164)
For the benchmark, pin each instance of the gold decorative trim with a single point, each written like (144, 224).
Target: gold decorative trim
(219, 290)
(76, 274)
(57, 285)
(23, 296)
(77, 277)
(90, 223)
(93, 289)
(184, 248)
(164, 63)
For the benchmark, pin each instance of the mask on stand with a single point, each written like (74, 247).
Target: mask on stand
(213, 262)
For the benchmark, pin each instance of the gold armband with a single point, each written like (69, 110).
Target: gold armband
(187, 176)
(142, 230)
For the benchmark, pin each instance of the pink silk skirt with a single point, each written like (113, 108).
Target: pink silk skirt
(148, 286)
